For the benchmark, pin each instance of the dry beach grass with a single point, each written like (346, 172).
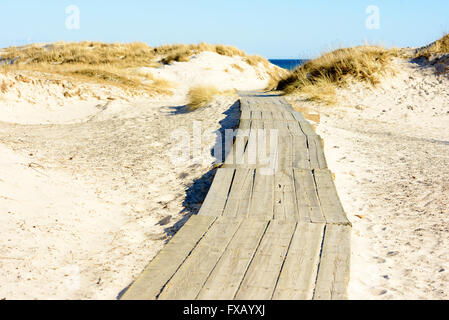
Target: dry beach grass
(319, 78)
(110, 63)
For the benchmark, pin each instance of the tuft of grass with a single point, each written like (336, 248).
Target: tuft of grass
(200, 96)
(236, 66)
(89, 53)
(4, 87)
(440, 46)
(319, 78)
(255, 60)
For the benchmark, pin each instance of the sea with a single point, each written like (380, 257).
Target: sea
(289, 64)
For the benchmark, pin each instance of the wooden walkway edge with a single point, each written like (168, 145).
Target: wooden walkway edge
(271, 227)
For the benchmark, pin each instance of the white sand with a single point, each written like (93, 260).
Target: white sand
(85, 180)
(389, 149)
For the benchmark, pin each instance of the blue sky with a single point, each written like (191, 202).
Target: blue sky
(274, 29)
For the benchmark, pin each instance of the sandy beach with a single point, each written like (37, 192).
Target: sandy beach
(88, 193)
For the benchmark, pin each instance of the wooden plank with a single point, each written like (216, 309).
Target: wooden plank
(288, 116)
(240, 195)
(277, 115)
(244, 124)
(306, 127)
(260, 280)
(307, 197)
(228, 274)
(244, 104)
(262, 196)
(294, 128)
(328, 197)
(299, 273)
(334, 268)
(285, 206)
(250, 156)
(245, 113)
(285, 156)
(162, 268)
(193, 273)
(299, 117)
(267, 115)
(282, 127)
(317, 157)
(218, 193)
(300, 153)
(316, 154)
(256, 115)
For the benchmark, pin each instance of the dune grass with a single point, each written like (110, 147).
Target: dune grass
(109, 63)
(201, 96)
(319, 78)
(440, 46)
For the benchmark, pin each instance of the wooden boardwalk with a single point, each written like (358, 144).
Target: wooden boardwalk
(271, 227)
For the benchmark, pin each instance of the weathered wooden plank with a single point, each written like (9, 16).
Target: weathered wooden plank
(193, 273)
(240, 195)
(267, 115)
(301, 158)
(294, 128)
(245, 113)
(251, 151)
(218, 193)
(256, 115)
(299, 273)
(307, 197)
(228, 274)
(285, 153)
(260, 280)
(245, 124)
(244, 104)
(317, 158)
(288, 116)
(282, 127)
(285, 206)
(334, 273)
(162, 268)
(298, 116)
(330, 202)
(306, 127)
(262, 196)
(278, 115)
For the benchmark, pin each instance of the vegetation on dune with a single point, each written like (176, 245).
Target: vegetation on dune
(440, 46)
(110, 63)
(319, 78)
(201, 96)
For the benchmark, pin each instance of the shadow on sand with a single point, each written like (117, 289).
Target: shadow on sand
(197, 192)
